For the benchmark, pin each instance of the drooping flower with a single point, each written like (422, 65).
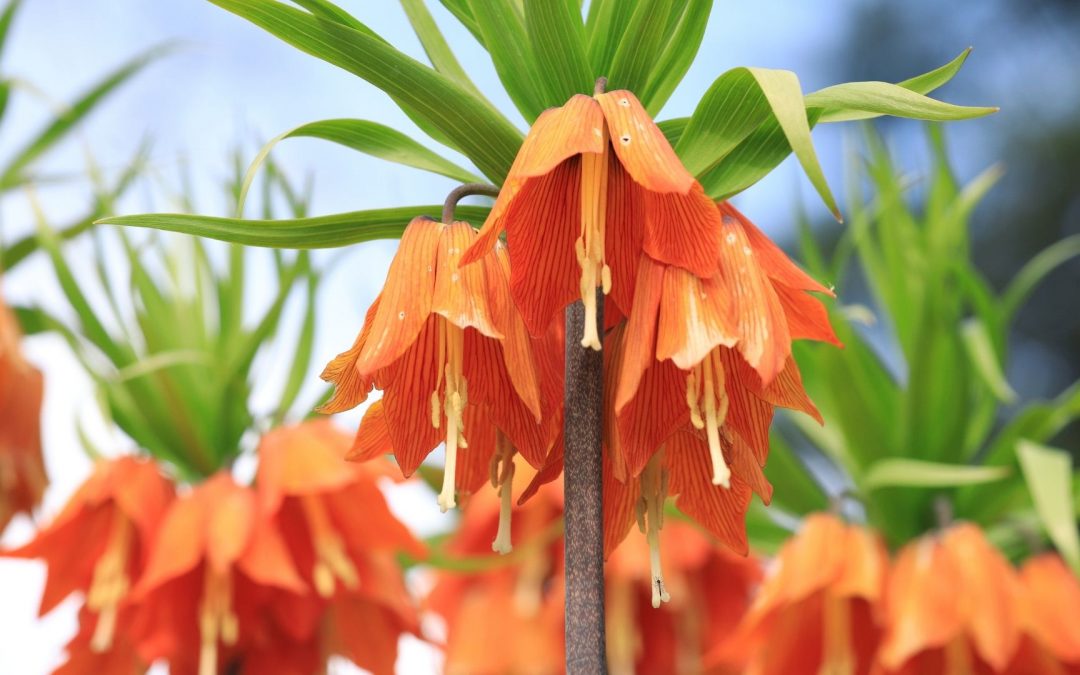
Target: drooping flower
(950, 606)
(85, 656)
(22, 467)
(217, 566)
(712, 590)
(818, 610)
(1050, 594)
(343, 538)
(100, 541)
(594, 184)
(450, 353)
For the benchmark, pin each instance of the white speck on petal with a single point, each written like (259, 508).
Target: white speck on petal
(746, 250)
(624, 102)
(454, 277)
(401, 315)
(625, 138)
(731, 238)
(597, 132)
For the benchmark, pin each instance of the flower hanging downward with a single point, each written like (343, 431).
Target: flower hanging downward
(451, 355)
(594, 184)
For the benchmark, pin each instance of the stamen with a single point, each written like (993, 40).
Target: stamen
(216, 619)
(454, 400)
(110, 582)
(653, 493)
(503, 478)
(589, 247)
(331, 561)
(714, 418)
(693, 397)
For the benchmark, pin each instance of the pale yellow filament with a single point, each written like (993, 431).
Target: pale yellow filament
(654, 486)
(716, 404)
(455, 398)
(110, 582)
(590, 245)
(331, 561)
(216, 619)
(502, 478)
(839, 658)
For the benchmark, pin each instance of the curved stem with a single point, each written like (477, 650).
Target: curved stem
(601, 86)
(462, 191)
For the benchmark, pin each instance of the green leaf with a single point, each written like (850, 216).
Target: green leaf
(332, 231)
(13, 176)
(435, 46)
(899, 472)
(1035, 270)
(881, 98)
(508, 43)
(485, 136)
(557, 36)
(372, 138)
(463, 13)
(605, 26)
(726, 115)
(639, 48)
(6, 20)
(980, 350)
(677, 57)
(1049, 477)
(673, 129)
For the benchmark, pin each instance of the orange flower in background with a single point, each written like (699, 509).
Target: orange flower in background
(216, 567)
(594, 184)
(712, 590)
(1050, 598)
(22, 468)
(818, 607)
(451, 355)
(343, 538)
(951, 606)
(84, 656)
(100, 541)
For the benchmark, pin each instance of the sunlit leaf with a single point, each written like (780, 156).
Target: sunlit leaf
(900, 472)
(605, 26)
(680, 52)
(980, 350)
(331, 231)
(1049, 477)
(728, 112)
(435, 46)
(557, 36)
(882, 98)
(508, 43)
(640, 46)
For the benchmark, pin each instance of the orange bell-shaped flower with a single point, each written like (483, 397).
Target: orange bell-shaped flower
(1050, 594)
(22, 468)
(594, 184)
(818, 607)
(99, 543)
(451, 355)
(951, 606)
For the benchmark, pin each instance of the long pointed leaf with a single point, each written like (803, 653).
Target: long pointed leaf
(435, 46)
(1049, 477)
(557, 36)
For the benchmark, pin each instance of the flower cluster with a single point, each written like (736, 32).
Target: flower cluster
(466, 338)
(230, 578)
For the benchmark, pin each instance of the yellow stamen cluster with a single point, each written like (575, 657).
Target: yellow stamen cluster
(590, 245)
(455, 397)
(705, 389)
(217, 621)
(650, 519)
(502, 478)
(110, 582)
(331, 561)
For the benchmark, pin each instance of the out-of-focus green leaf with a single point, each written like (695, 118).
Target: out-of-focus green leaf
(13, 174)
(882, 98)
(1035, 270)
(435, 46)
(677, 57)
(485, 136)
(6, 19)
(371, 138)
(640, 47)
(557, 36)
(980, 350)
(795, 488)
(1049, 477)
(900, 472)
(508, 43)
(304, 233)
(305, 349)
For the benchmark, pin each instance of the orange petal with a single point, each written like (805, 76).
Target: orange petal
(1052, 593)
(230, 520)
(360, 513)
(624, 232)
(373, 437)
(786, 390)
(696, 316)
(405, 301)
(656, 412)
(641, 146)
(865, 564)
(301, 459)
(722, 511)
(638, 340)
(474, 462)
(770, 256)
(620, 504)
(141, 492)
(375, 647)
(350, 387)
(743, 462)
(180, 544)
(266, 559)
(807, 318)
(748, 415)
(542, 225)
(764, 338)
(409, 383)
(683, 230)
(549, 472)
(461, 293)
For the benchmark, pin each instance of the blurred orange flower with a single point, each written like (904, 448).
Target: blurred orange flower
(343, 538)
(1050, 598)
(100, 541)
(594, 184)
(817, 611)
(952, 605)
(22, 468)
(216, 566)
(451, 355)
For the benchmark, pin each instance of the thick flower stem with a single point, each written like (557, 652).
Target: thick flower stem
(462, 191)
(585, 643)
